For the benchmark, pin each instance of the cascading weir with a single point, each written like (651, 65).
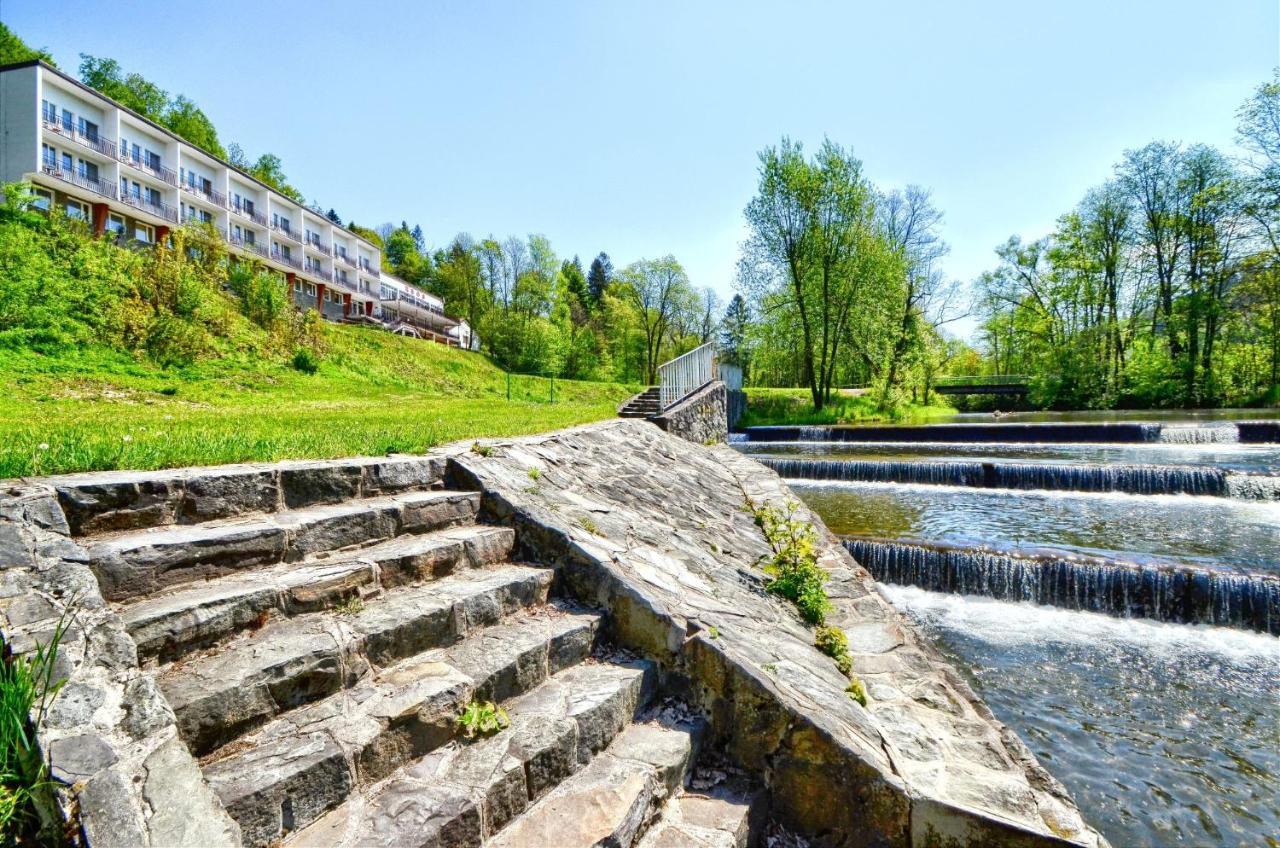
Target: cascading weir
(1132, 479)
(1179, 594)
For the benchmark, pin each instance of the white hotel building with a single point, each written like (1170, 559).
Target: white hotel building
(133, 180)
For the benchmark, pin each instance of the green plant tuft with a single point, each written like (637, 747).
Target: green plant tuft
(534, 473)
(586, 523)
(482, 450)
(483, 718)
(832, 642)
(793, 568)
(28, 809)
(857, 691)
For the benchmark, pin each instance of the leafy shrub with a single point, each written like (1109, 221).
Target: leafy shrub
(264, 296)
(857, 691)
(793, 568)
(305, 361)
(832, 642)
(483, 718)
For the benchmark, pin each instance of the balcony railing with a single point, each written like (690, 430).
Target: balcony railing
(81, 179)
(160, 210)
(289, 234)
(239, 241)
(195, 218)
(344, 282)
(287, 260)
(411, 298)
(366, 268)
(92, 140)
(347, 259)
(142, 164)
(240, 209)
(215, 197)
(315, 244)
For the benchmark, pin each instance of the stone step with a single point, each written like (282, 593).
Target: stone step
(466, 791)
(125, 500)
(615, 798)
(728, 815)
(196, 615)
(142, 562)
(260, 674)
(288, 774)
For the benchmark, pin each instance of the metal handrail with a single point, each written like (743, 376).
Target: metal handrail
(241, 209)
(167, 175)
(685, 374)
(289, 234)
(160, 210)
(97, 186)
(983, 380)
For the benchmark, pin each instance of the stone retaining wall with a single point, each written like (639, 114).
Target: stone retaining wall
(701, 418)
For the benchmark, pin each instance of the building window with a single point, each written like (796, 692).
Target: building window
(49, 157)
(248, 206)
(66, 120)
(297, 286)
(133, 153)
(143, 233)
(48, 112)
(89, 129)
(68, 163)
(89, 171)
(153, 196)
(249, 237)
(76, 209)
(115, 224)
(152, 159)
(311, 290)
(44, 200)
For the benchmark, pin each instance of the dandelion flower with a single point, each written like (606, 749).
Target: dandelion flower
(43, 446)
(126, 438)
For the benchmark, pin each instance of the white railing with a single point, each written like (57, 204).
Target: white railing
(685, 374)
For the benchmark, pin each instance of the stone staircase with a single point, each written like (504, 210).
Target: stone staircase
(318, 627)
(647, 404)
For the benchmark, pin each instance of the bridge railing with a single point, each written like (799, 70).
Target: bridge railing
(685, 374)
(983, 380)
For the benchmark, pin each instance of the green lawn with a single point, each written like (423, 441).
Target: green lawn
(794, 406)
(374, 393)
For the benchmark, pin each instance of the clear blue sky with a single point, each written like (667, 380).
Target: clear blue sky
(634, 127)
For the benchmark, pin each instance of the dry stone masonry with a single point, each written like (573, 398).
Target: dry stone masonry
(277, 654)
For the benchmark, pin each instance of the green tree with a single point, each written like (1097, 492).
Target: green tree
(660, 291)
(14, 50)
(599, 276)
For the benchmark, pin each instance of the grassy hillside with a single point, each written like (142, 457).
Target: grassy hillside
(118, 358)
(97, 408)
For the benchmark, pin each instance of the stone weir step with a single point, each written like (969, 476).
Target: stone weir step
(195, 615)
(291, 771)
(260, 674)
(571, 770)
(126, 500)
(142, 562)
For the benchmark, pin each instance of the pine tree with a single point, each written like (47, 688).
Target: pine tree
(599, 277)
(733, 333)
(334, 217)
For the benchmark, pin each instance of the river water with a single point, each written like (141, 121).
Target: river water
(1166, 733)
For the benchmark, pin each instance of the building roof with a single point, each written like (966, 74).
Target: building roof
(93, 91)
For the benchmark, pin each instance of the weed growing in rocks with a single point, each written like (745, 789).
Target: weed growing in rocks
(28, 811)
(590, 526)
(534, 473)
(857, 691)
(482, 450)
(483, 718)
(351, 606)
(832, 642)
(793, 569)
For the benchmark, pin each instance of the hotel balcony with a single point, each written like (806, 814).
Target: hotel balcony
(214, 197)
(315, 244)
(93, 140)
(286, 260)
(347, 284)
(240, 209)
(153, 168)
(80, 179)
(367, 268)
(286, 233)
(347, 259)
(160, 210)
(252, 246)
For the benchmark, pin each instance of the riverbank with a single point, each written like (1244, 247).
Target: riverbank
(795, 407)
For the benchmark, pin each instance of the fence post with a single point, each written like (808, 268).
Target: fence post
(553, 388)
(508, 385)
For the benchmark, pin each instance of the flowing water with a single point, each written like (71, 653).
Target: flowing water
(1207, 531)
(1004, 538)
(1164, 734)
